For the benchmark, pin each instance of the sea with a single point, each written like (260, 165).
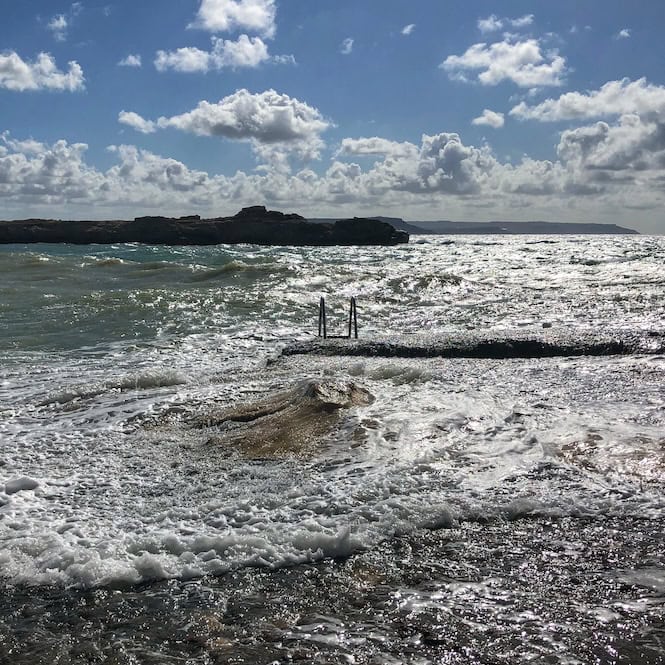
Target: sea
(190, 474)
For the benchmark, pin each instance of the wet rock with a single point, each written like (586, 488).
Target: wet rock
(286, 422)
(20, 484)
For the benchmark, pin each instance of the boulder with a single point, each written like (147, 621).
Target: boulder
(285, 423)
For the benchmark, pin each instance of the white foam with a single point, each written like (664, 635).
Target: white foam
(128, 492)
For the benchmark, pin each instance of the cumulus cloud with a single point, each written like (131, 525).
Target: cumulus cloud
(615, 98)
(623, 34)
(346, 46)
(446, 164)
(490, 24)
(376, 146)
(440, 172)
(489, 118)
(633, 144)
(268, 117)
(188, 59)
(522, 62)
(275, 124)
(48, 174)
(228, 15)
(243, 52)
(135, 121)
(131, 61)
(58, 26)
(602, 155)
(408, 29)
(42, 74)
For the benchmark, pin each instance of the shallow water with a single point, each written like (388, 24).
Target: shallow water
(476, 510)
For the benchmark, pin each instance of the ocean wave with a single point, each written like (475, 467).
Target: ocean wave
(143, 381)
(109, 262)
(239, 267)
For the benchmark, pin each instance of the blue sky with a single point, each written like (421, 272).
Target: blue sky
(427, 109)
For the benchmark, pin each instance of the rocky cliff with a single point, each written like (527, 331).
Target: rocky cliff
(254, 225)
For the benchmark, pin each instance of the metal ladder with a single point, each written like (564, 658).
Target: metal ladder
(353, 321)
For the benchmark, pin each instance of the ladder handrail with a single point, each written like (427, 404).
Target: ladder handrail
(322, 317)
(353, 316)
(353, 320)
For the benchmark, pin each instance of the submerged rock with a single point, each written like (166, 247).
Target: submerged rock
(284, 423)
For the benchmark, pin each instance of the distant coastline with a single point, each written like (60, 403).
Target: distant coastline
(447, 227)
(259, 226)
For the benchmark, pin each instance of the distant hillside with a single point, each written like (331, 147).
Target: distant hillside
(448, 227)
(478, 228)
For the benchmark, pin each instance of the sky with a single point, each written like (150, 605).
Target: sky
(426, 109)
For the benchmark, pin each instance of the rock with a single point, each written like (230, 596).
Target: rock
(362, 231)
(20, 484)
(253, 225)
(284, 423)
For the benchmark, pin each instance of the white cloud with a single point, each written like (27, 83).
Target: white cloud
(522, 21)
(623, 34)
(493, 23)
(131, 61)
(276, 125)
(521, 62)
(489, 118)
(49, 174)
(188, 59)
(442, 172)
(346, 46)
(244, 52)
(615, 98)
(490, 24)
(634, 144)
(376, 146)
(42, 74)
(137, 122)
(268, 117)
(58, 26)
(227, 15)
(284, 59)
(60, 23)
(408, 29)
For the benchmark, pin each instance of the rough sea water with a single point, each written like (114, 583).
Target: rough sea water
(188, 476)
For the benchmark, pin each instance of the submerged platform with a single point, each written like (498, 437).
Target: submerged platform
(489, 344)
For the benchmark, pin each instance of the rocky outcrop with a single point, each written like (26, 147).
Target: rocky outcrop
(284, 423)
(253, 225)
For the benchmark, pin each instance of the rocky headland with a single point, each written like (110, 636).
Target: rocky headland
(253, 225)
